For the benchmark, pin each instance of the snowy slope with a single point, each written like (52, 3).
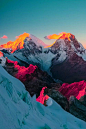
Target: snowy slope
(35, 53)
(37, 40)
(19, 111)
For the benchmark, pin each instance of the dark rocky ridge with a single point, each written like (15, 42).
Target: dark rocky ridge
(73, 106)
(33, 82)
(77, 108)
(71, 70)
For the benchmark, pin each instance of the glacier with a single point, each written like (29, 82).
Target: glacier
(18, 110)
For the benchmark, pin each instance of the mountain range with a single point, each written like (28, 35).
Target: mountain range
(55, 74)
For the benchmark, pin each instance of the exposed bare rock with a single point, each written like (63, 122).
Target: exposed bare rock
(33, 78)
(77, 108)
(58, 97)
(83, 100)
(77, 89)
(71, 70)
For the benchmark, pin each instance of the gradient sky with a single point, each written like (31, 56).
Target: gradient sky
(42, 18)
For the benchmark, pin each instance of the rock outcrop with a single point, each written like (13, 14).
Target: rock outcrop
(77, 89)
(33, 78)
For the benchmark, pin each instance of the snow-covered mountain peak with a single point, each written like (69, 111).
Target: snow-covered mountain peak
(65, 42)
(62, 35)
(37, 40)
(15, 45)
(33, 51)
(33, 43)
(19, 42)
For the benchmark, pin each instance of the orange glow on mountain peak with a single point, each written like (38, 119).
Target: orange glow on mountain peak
(62, 35)
(17, 44)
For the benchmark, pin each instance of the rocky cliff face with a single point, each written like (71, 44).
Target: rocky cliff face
(76, 95)
(72, 105)
(33, 78)
(77, 108)
(77, 89)
(72, 69)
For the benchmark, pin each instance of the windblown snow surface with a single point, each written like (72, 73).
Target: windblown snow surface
(19, 111)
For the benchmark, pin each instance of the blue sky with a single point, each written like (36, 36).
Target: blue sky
(42, 17)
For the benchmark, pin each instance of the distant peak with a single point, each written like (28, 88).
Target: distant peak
(17, 44)
(62, 35)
